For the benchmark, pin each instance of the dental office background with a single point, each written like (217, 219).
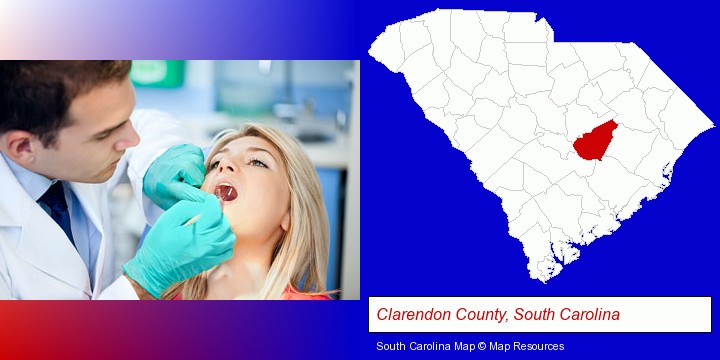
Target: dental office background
(318, 102)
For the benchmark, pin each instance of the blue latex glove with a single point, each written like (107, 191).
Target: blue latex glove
(174, 251)
(175, 175)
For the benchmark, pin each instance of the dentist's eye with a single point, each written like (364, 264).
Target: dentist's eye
(256, 162)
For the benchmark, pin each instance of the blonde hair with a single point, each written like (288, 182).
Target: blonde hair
(301, 254)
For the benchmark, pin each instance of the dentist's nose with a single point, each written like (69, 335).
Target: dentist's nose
(128, 138)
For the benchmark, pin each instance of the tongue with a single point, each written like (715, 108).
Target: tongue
(225, 193)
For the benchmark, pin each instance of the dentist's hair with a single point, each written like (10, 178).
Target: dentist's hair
(35, 96)
(301, 255)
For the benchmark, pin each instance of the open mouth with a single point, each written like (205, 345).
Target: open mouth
(225, 192)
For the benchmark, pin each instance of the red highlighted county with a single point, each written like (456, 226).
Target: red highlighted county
(592, 145)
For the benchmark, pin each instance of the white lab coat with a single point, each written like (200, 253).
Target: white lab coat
(37, 260)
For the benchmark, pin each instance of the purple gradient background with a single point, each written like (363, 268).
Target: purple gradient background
(404, 177)
(190, 29)
(179, 329)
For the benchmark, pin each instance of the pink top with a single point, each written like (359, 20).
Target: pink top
(290, 294)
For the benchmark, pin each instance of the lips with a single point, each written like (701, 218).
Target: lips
(118, 160)
(113, 166)
(225, 192)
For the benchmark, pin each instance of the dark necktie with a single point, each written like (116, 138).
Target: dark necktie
(54, 198)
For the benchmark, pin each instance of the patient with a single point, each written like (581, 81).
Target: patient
(271, 195)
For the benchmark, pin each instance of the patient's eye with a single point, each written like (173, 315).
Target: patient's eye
(256, 162)
(213, 165)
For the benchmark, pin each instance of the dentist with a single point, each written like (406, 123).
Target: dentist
(68, 135)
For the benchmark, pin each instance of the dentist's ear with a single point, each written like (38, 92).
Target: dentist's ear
(19, 146)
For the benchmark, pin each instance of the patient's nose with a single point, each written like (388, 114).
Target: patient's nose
(225, 165)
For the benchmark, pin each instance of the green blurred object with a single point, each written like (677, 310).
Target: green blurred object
(158, 73)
